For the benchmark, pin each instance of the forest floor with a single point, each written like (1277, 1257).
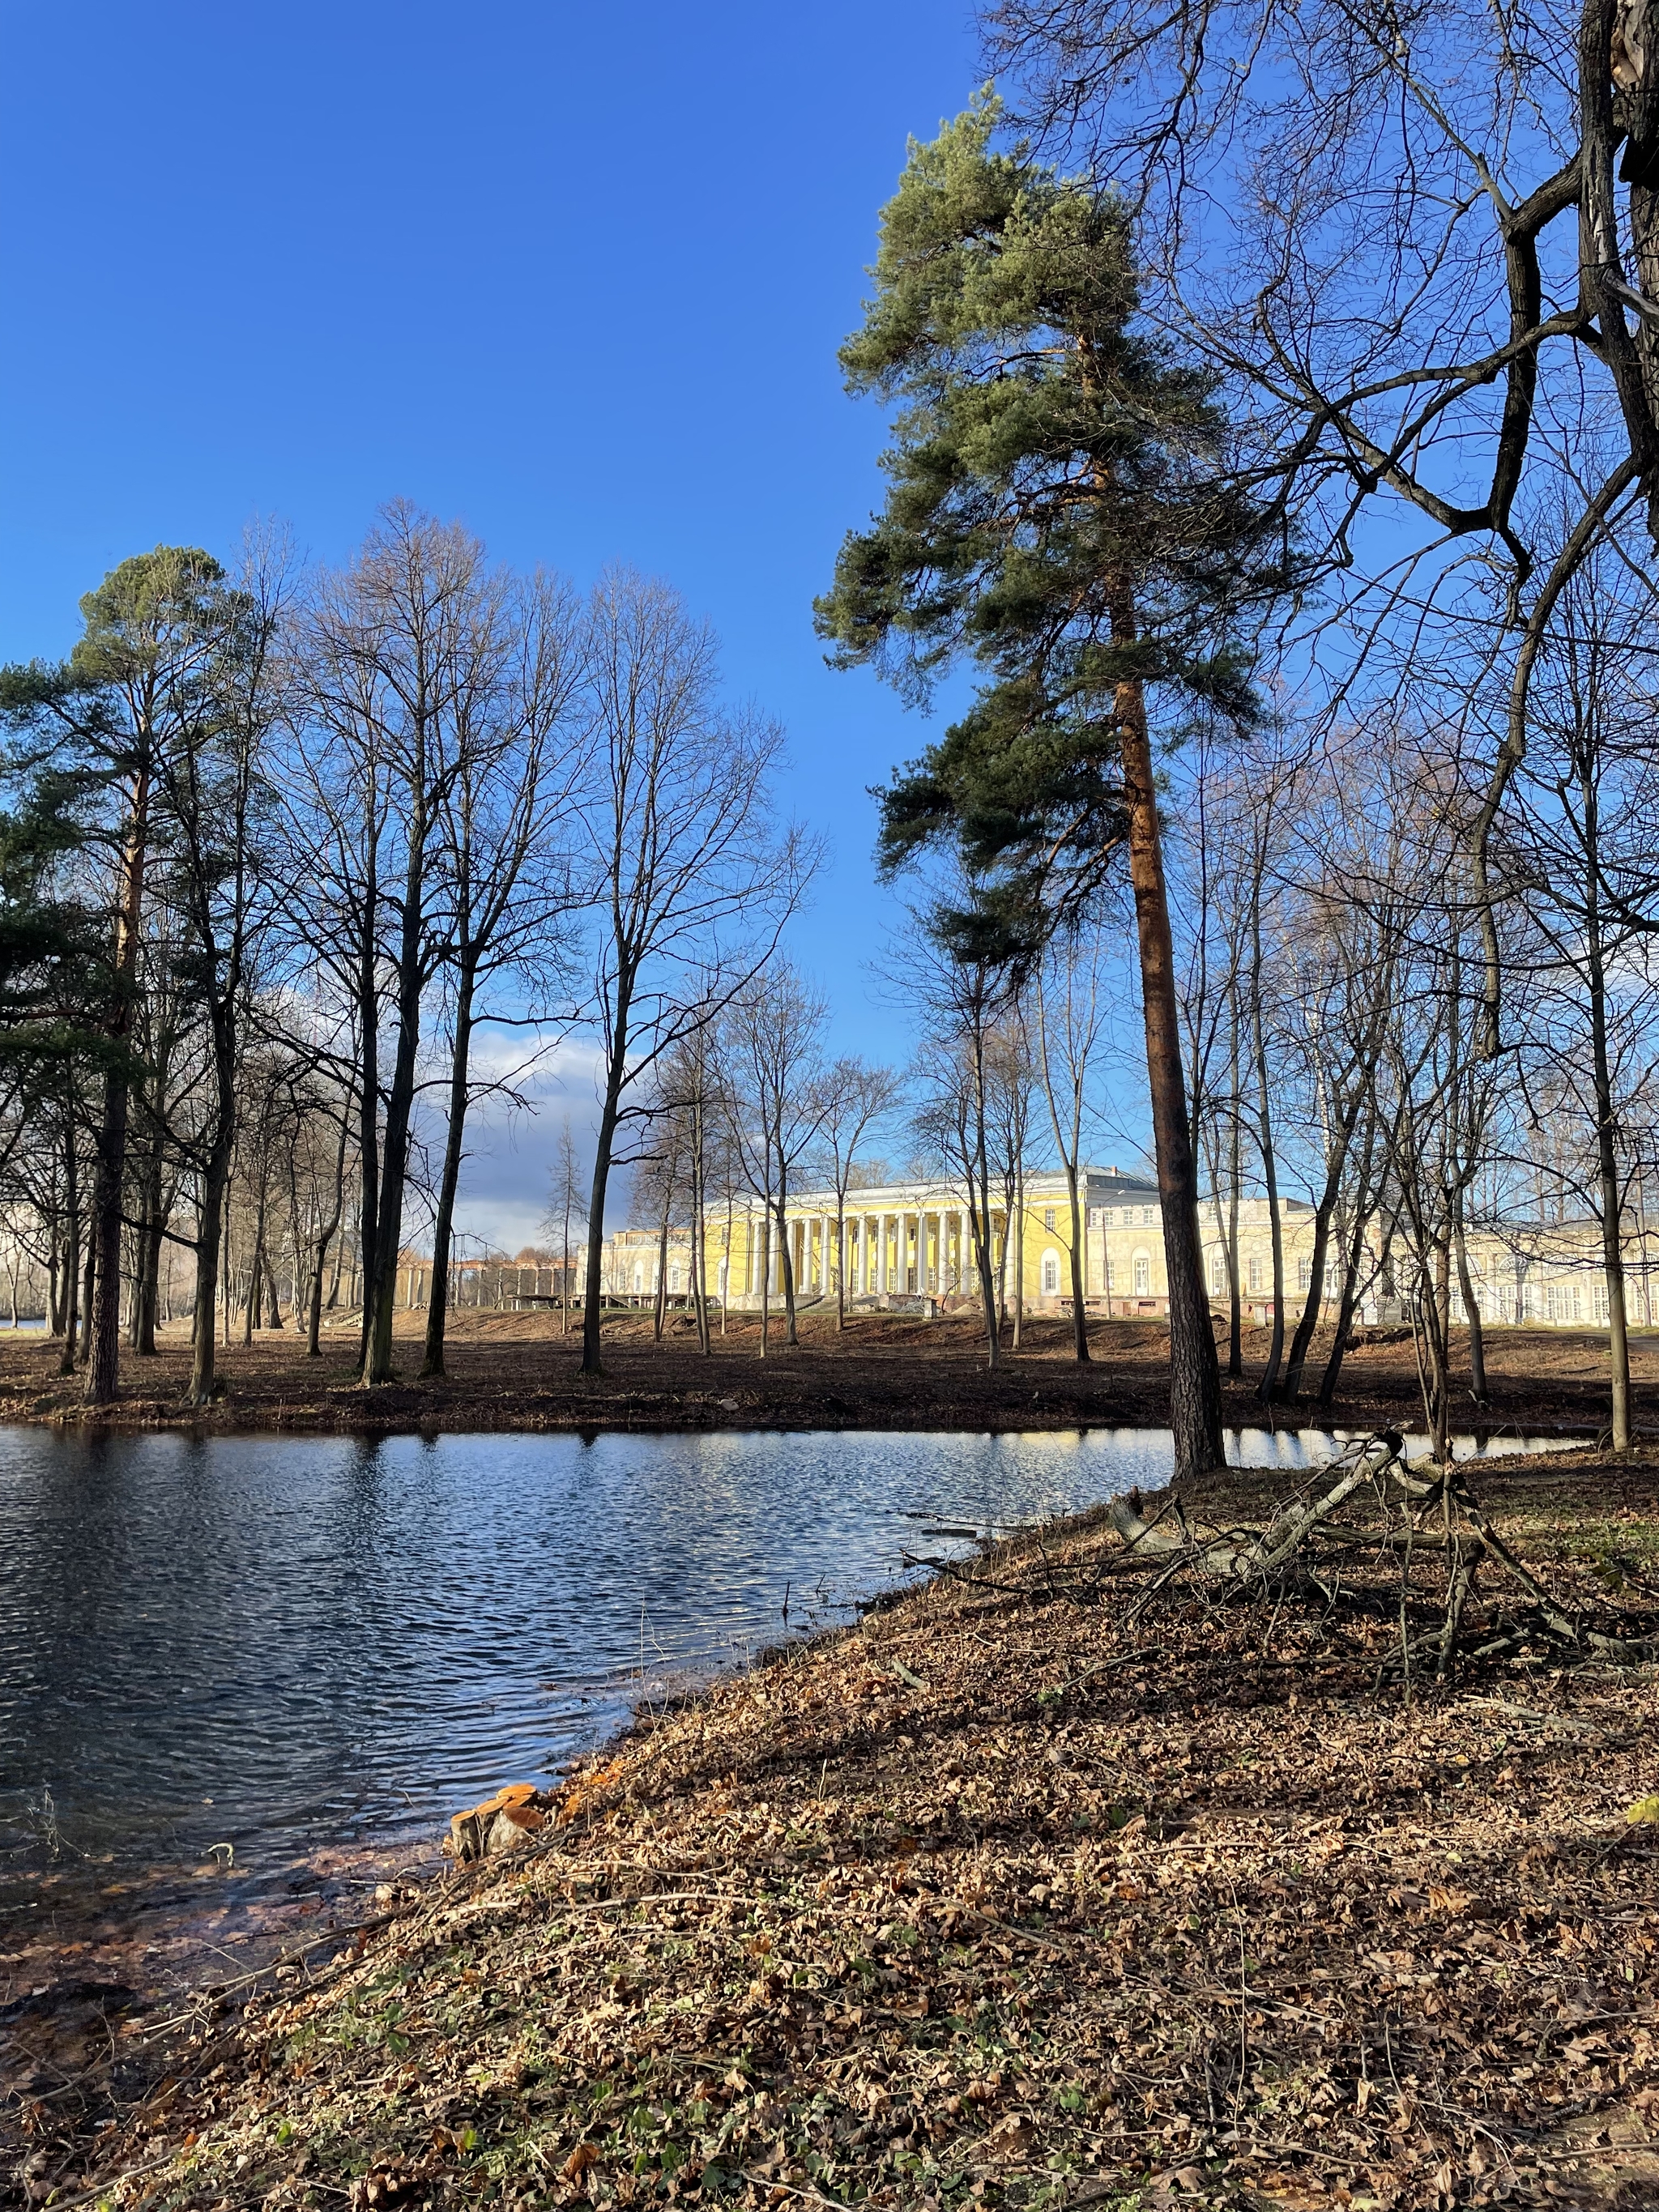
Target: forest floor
(1024, 1892)
(509, 1370)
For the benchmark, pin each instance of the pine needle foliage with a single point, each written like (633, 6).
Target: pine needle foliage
(1063, 512)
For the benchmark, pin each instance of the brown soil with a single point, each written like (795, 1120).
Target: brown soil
(1024, 1894)
(887, 1371)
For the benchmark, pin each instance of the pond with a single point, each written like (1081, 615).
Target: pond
(226, 1659)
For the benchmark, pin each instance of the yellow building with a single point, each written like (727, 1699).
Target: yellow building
(904, 1243)
(907, 1244)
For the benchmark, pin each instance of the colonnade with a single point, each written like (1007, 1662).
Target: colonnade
(919, 1251)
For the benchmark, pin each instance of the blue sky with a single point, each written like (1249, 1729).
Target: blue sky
(574, 276)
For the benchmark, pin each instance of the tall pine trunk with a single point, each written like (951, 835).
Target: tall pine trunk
(1194, 1379)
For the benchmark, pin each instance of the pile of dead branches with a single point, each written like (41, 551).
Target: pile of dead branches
(1363, 1537)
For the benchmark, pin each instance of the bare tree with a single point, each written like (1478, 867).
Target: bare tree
(1072, 1011)
(1582, 859)
(855, 1098)
(505, 836)
(773, 1038)
(963, 999)
(388, 656)
(692, 882)
(564, 1206)
(1407, 240)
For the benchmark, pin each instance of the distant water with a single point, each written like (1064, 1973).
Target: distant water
(271, 1646)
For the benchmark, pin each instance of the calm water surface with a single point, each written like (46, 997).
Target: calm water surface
(277, 1645)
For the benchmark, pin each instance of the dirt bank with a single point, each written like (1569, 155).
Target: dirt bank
(1007, 1897)
(887, 1371)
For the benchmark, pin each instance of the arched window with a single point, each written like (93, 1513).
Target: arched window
(1051, 1274)
(1143, 1275)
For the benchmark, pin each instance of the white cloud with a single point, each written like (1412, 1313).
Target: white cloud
(506, 1178)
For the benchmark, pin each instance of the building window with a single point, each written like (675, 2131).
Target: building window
(638, 1279)
(1146, 1217)
(1218, 1274)
(1255, 1274)
(1599, 1309)
(1048, 1220)
(1304, 1274)
(1143, 1275)
(674, 1277)
(1051, 1270)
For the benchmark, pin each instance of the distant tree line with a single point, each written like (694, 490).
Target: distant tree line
(278, 845)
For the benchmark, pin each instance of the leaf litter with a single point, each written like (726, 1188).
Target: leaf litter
(1003, 1898)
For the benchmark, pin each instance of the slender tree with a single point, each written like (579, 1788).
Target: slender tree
(692, 882)
(1059, 513)
(856, 1098)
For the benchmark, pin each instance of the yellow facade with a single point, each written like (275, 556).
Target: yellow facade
(914, 1242)
(905, 1244)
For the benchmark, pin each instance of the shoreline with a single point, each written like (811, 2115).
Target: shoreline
(949, 1906)
(514, 1373)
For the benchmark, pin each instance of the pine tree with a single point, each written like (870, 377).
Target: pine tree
(1063, 515)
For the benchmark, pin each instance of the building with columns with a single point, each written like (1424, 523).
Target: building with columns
(904, 1243)
(909, 1245)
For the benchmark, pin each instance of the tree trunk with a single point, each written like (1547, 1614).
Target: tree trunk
(1019, 1251)
(1267, 1388)
(72, 1300)
(103, 1256)
(980, 1167)
(275, 1320)
(786, 1268)
(89, 1285)
(604, 1139)
(252, 1312)
(766, 1270)
(1079, 1312)
(1301, 1343)
(1471, 1311)
(1236, 1169)
(1611, 1206)
(380, 1288)
(148, 1291)
(443, 1225)
(699, 1235)
(210, 1230)
(660, 1302)
(103, 1358)
(1194, 1381)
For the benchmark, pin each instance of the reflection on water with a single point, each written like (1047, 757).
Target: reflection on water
(266, 1645)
